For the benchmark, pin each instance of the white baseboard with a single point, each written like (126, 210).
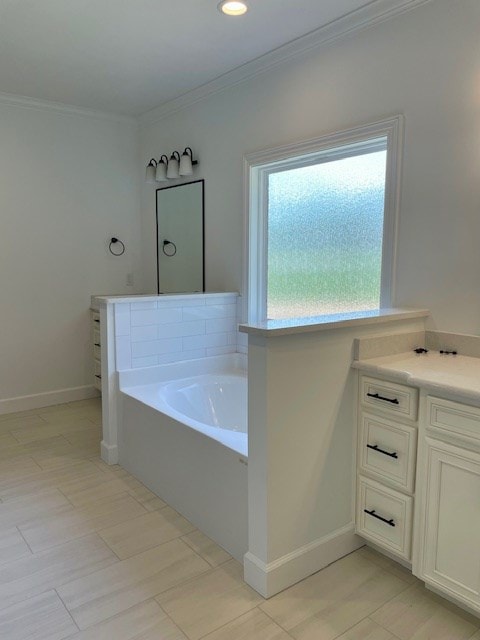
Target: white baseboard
(109, 452)
(269, 579)
(46, 399)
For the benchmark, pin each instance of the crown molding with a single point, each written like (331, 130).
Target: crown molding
(13, 100)
(373, 13)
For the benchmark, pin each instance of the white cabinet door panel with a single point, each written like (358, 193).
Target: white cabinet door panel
(451, 545)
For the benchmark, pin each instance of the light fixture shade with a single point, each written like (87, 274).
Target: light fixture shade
(172, 170)
(150, 171)
(161, 171)
(186, 168)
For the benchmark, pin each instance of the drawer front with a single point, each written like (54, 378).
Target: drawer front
(96, 336)
(97, 351)
(97, 374)
(384, 516)
(458, 421)
(395, 399)
(95, 318)
(387, 450)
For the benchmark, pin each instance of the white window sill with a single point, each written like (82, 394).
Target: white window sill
(290, 326)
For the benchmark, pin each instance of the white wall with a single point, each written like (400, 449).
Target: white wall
(67, 183)
(424, 64)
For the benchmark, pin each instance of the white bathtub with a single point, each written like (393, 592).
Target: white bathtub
(183, 433)
(214, 404)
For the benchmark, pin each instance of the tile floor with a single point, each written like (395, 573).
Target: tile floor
(88, 553)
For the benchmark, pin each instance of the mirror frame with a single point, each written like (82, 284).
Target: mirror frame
(175, 186)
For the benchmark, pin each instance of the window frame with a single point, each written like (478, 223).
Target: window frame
(258, 166)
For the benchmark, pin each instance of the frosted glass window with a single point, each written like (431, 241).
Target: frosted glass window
(325, 229)
(321, 225)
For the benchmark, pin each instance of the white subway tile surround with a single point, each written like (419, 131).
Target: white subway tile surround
(176, 328)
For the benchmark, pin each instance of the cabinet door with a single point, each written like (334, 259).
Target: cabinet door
(451, 544)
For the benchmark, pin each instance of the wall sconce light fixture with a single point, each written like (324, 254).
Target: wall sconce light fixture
(172, 169)
(186, 163)
(161, 172)
(166, 169)
(150, 172)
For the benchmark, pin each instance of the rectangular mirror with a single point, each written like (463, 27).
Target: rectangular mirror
(180, 238)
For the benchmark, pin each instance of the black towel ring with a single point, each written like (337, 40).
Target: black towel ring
(122, 247)
(169, 253)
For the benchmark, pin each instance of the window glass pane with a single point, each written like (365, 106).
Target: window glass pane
(325, 228)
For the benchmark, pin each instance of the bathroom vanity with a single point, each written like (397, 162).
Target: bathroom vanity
(418, 462)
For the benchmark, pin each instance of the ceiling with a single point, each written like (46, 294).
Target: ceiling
(130, 56)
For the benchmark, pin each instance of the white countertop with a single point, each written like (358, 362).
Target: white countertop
(457, 376)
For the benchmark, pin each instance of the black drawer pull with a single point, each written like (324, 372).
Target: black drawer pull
(377, 397)
(97, 344)
(97, 376)
(372, 513)
(97, 321)
(375, 447)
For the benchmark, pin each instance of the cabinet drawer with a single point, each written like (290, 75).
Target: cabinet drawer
(97, 351)
(384, 516)
(459, 421)
(97, 374)
(395, 399)
(387, 450)
(97, 340)
(95, 318)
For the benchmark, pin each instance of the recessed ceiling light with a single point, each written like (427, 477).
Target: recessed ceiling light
(233, 8)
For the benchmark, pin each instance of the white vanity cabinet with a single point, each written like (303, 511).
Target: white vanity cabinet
(97, 349)
(448, 513)
(428, 494)
(386, 456)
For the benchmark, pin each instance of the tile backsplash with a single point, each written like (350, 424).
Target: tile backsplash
(176, 328)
